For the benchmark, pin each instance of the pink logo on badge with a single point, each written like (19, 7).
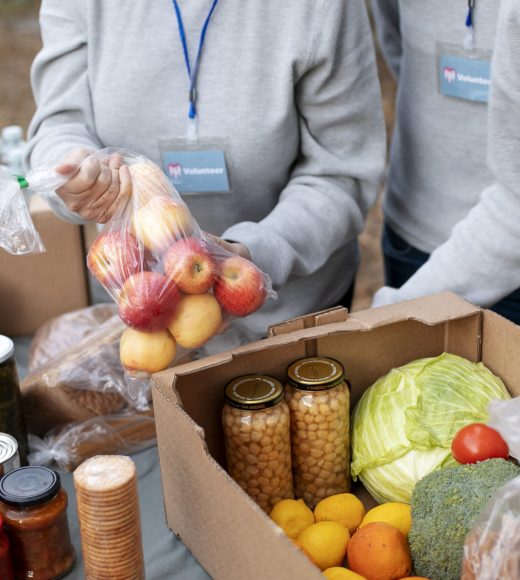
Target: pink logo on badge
(174, 170)
(450, 74)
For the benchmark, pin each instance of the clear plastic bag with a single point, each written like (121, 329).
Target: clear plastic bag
(504, 416)
(17, 232)
(175, 287)
(65, 331)
(76, 400)
(492, 548)
(70, 445)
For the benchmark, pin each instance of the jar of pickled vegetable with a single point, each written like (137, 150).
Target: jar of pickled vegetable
(33, 506)
(318, 398)
(11, 417)
(257, 435)
(6, 565)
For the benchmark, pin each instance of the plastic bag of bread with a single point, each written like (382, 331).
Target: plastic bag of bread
(83, 381)
(492, 548)
(60, 333)
(76, 400)
(70, 445)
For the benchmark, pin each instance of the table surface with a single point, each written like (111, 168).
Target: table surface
(165, 555)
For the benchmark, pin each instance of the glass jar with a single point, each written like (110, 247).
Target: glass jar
(11, 418)
(33, 506)
(319, 401)
(257, 436)
(6, 565)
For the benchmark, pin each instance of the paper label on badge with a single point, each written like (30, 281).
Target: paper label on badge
(463, 77)
(197, 171)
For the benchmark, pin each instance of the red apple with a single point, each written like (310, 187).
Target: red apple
(160, 222)
(188, 263)
(113, 257)
(147, 301)
(239, 287)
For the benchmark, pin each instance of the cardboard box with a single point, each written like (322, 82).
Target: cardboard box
(35, 288)
(227, 532)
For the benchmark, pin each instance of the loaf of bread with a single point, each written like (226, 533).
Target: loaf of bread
(84, 379)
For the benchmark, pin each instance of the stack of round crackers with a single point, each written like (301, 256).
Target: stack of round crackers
(108, 511)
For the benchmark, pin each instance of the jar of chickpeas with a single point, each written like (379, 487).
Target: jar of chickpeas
(257, 435)
(318, 398)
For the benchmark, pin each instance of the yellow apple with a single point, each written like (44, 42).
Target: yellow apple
(150, 352)
(197, 318)
(160, 222)
(148, 181)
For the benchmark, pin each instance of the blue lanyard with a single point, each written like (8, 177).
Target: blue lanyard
(192, 74)
(469, 42)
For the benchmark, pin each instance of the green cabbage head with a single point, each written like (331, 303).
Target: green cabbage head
(404, 423)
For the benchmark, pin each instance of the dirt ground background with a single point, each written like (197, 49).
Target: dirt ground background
(20, 41)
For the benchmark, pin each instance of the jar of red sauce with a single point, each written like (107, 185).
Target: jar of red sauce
(33, 506)
(6, 565)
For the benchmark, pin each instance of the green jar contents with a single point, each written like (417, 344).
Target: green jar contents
(11, 417)
(33, 507)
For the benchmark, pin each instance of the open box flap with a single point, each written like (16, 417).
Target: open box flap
(329, 316)
(429, 310)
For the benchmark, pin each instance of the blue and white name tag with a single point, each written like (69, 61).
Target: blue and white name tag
(464, 75)
(197, 171)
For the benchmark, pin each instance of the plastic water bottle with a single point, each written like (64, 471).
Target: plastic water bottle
(13, 149)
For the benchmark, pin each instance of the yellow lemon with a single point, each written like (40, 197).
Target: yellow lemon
(344, 508)
(292, 515)
(325, 543)
(338, 573)
(394, 513)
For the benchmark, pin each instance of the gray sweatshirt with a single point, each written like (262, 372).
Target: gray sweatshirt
(288, 89)
(481, 259)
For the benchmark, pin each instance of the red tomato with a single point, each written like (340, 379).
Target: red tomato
(478, 442)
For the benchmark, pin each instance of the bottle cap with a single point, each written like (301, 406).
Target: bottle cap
(254, 392)
(6, 348)
(12, 134)
(29, 486)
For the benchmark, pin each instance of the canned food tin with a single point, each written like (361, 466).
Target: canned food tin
(11, 416)
(9, 458)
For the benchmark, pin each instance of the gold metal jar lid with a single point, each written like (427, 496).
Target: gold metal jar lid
(315, 373)
(254, 392)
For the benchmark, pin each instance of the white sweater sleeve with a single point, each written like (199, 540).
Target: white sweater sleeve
(342, 147)
(386, 18)
(481, 259)
(63, 118)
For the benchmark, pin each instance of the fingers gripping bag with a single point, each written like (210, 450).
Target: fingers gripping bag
(492, 548)
(175, 287)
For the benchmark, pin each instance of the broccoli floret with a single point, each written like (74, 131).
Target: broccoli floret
(445, 504)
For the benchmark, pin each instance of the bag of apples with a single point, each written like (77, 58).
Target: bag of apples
(175, 287)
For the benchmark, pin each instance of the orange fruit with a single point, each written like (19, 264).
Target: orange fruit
(414, 578)
(379, 551)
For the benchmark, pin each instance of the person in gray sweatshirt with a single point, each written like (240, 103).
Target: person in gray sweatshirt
(286, 92)
(439, 183)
